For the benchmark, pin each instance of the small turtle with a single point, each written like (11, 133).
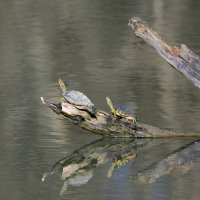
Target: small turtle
(121, 111)
(78, 99)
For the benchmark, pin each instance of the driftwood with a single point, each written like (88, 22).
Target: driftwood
(183, 59)
(103, 124)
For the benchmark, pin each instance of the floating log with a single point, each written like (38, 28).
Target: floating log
(103, 124)
(182, 59)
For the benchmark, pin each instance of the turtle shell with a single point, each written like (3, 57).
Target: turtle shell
(80, 100)
(124, 111)
(77, 98)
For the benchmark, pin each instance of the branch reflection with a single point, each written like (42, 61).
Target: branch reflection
(182, 160)
(78, 168)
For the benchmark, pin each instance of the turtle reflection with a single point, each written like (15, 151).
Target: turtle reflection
(80, 178)
(78, 168)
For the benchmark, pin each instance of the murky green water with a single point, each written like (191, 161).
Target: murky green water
(89, 44)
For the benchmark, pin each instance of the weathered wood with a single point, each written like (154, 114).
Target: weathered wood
(183, 59)
(103, 124)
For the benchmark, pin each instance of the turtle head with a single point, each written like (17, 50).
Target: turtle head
(110, 104)
(62, 84)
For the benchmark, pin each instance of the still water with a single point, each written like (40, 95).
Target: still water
(88, 44)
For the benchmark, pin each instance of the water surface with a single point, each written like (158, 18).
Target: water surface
(89, 44)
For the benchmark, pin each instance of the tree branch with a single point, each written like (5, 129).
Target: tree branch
(183, 59)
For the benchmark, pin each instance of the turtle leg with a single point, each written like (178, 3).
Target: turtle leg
(119, 162)
(134, 122)
(114, 116)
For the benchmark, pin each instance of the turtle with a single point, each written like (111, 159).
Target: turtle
(121, 111)
(78, 99)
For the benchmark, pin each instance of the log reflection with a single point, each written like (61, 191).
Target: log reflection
(78, 168)
(182, 160)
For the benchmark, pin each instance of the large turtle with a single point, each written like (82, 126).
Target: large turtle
(121, 111)
(78, 99)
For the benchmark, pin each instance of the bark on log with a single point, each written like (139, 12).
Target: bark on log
(103, 124)
(183, 59)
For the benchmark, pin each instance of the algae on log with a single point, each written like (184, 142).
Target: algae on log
(183, 59)
(102, 123)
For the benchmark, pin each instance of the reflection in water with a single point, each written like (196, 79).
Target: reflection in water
(89, 43)
(80, 178)
(78, 168)
(181, 160)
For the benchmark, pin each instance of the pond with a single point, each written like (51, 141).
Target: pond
(89, 45)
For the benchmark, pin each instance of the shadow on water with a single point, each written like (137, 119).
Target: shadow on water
(78, 168)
